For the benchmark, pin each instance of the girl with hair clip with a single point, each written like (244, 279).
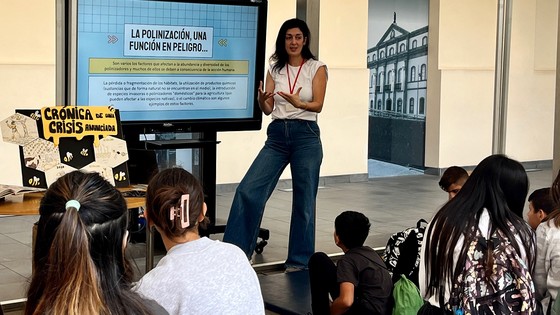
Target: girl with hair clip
(79, 260)
(197, 275)
(547, 267)
(486, 216)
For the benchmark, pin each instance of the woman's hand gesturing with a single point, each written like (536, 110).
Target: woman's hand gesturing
(263, 95)
(294, 99)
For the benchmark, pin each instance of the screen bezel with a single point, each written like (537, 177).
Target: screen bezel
(67, 32)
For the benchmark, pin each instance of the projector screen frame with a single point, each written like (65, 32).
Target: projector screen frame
(67, 72)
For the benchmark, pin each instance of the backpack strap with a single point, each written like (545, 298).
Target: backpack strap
(455, 298)
(421, 222)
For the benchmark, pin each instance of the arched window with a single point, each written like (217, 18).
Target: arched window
(378, 104)
(402, 47)
(374, 57)
(399, 105)
(399, 75)
(412, 74)
(414, 44)
(421, 107)
(391, 77)
(381, 79)
(391, 51)
(423, 72)
(382, 54)
(371, 104)
(388, 104)
(367, 59)
(411, 106)
(372, 82)
(424, 40)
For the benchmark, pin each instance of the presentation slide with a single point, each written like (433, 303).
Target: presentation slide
(157, 60)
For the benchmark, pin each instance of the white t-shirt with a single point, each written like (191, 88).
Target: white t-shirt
(204, 277)
(282, 108)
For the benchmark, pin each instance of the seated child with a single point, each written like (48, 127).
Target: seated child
(547, 265)
(79, 262)
(540, 206)
(360, 282)
(197, 275)
(453, 180)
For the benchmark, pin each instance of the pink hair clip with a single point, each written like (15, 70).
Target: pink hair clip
(182, 212)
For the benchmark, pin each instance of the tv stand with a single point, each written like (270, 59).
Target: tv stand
(180, 144)
(207, 143)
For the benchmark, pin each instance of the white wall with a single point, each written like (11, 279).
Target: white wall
(27, 71)
(461, 81)
(530, 120)
(27, 80)
(460, 86)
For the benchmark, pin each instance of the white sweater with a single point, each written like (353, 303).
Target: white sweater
(547, 266)
(204, 277)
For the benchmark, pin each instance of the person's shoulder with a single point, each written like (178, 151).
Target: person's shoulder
(362, 253)
(366, 250)
(315, 64)
(548, 229)
(273, 70)
(229, 250)
(151, 278)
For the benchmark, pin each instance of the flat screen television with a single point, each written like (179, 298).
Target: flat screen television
(168, 66)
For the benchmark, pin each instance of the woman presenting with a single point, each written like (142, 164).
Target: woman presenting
(295, 89)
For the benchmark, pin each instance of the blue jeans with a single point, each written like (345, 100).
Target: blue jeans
(294, 142)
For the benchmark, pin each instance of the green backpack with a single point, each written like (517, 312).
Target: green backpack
(407, 297)
(555, 308)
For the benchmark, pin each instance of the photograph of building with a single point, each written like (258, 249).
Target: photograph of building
(398, 73)
(397, 59)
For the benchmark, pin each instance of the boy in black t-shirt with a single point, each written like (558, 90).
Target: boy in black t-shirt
(360, 282)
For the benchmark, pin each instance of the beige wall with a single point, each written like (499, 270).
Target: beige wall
(27, 76)
(27, 71)
(460, 109)
(532, 80)
(459, 120)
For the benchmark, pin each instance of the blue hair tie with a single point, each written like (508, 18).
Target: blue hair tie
(73, 203)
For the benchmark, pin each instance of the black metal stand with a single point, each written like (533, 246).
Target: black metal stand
(207, 143)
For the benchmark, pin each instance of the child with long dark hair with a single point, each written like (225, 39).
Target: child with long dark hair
(487, 213)
(79, 261)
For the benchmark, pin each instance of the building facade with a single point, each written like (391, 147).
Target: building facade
(398, 74)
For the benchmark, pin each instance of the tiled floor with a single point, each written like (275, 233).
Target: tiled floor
(391, 203)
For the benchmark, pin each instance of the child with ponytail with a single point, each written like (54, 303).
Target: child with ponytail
(79, 261)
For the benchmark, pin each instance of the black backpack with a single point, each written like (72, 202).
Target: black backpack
(402, 253)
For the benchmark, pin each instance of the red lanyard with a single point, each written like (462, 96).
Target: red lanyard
(292, 88)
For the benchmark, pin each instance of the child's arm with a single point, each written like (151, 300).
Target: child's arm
(344, 301)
